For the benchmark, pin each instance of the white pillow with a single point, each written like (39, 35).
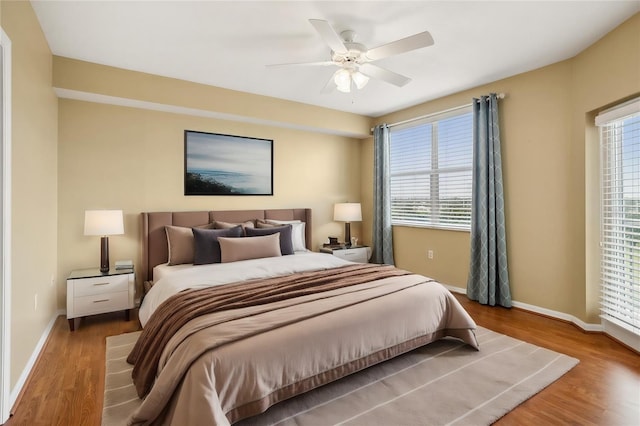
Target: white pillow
(297, 232)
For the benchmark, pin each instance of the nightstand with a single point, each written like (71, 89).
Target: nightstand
(91, 292)
(359, 254)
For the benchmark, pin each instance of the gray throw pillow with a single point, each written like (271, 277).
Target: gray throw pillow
(206, 245)
(286, 245)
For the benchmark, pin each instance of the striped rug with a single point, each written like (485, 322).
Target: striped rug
(444, 383)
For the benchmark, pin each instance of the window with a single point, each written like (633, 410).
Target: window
(430, 171)
(620, 215)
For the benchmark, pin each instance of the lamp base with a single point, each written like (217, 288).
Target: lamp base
(104, 254)
(347, 234)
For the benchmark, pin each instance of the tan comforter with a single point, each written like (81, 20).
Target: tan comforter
(228, 365)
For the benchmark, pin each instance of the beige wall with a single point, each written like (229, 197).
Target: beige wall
(533, 117)
(544, 132)
(606, 73)
(132, 159)
(34, 227)
(86, 77)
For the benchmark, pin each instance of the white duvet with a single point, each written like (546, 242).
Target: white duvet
(174, 279)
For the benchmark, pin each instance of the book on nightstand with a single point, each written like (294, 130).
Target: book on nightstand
(124, 264)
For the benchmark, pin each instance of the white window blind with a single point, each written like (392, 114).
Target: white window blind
(620, 215)
(430, 171)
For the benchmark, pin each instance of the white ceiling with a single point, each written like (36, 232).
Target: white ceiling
(228, 43)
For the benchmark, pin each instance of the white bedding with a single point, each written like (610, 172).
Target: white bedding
(174, 279)
(165, 269)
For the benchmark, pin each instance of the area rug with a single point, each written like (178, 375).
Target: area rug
(443, 383)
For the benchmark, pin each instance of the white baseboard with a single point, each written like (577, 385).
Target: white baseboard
(455, 289)
(544, 311)
(32, 359)
(559, 315)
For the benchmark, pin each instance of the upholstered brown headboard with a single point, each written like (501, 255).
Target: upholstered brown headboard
(154, 237)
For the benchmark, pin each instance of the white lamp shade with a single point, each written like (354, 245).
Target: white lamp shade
(359, 79)
(103, 222)
(347, 212)
(342, 78)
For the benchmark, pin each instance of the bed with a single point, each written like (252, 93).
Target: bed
(224, 341)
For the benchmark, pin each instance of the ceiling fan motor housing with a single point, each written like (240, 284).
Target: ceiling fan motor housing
(353, 55)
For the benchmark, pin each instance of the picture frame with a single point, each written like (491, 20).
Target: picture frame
(220, 164)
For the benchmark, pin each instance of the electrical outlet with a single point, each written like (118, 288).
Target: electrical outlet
(430, 254)
(35, 302)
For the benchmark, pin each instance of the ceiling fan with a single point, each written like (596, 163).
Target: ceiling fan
(355, 60)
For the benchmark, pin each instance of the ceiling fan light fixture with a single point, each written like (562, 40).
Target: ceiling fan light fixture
(359, 79)
(342, 78)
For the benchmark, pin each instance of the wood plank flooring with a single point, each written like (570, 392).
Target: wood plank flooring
(66, 385)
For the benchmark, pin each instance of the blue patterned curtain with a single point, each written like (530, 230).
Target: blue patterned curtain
(488, 281)
(382, 235)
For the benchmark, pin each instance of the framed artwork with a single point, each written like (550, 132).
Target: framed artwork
(217, 164)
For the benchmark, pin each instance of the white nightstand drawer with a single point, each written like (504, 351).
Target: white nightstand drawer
(100, 285)
(101, 303)
(91, 291)
(359, 254)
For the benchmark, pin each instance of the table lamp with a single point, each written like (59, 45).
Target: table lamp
(103, 223)
(347, 213)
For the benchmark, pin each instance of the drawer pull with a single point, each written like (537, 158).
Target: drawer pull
(107, 283)
(99, 301)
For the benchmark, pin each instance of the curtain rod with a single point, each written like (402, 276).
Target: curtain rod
(499, 96)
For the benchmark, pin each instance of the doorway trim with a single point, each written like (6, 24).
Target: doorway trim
(5, 226)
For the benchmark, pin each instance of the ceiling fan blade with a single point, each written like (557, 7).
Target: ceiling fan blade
(329, 35)
(380, 73)
(304, 64)
(416, 41)
(329, 87)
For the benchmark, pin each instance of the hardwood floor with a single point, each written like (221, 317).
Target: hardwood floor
(603, 389)
(66, 385)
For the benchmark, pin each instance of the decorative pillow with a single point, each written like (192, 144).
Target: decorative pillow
(262, 223)
(297, 233)
(206, 245)
(226, 225)
(234, 249)
(286, 246)
(180, 244)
